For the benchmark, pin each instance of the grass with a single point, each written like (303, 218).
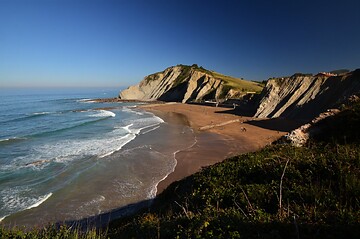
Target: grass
(240, 197)
(51, 232)
(239, 84)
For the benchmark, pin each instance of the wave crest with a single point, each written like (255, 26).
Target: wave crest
(104, 113)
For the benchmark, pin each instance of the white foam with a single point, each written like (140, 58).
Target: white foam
(126, 139)
(104, 113)
(153, 191)
(42, 113)
(147, 131)
(127, 127)
(99, 198)
(12, 139)
(19, 198)
(128, 109)
(143, 123)
(42, 199)
(137, 131)
(86, 100)
(2, 218)
(102, 145)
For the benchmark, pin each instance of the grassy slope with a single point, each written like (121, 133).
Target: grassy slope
(51, 232)
(232, 82)
(239, 84)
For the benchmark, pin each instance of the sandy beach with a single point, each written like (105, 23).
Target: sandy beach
(220, 133)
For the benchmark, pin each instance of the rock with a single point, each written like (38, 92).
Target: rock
(300, 136)
(305, 96)
(187, 83)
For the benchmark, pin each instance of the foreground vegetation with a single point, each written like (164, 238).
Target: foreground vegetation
(51, 232)
(278, 192)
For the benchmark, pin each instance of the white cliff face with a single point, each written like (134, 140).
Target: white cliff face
(152, 86)
(200, 85)
(178, 83)
(304, 97)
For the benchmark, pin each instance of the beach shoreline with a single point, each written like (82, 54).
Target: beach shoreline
(220, 133)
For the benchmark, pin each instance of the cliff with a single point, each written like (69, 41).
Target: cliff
(188, 83)
(306, 96)
(301, 96)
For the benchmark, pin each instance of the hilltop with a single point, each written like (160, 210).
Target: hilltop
(183, 83)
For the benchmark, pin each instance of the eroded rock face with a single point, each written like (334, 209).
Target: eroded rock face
(177, 83)
(305, 96)
(300, 136)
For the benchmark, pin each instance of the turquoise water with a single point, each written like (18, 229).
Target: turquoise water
(65, 157)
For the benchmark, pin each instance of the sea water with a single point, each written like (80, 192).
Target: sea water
(66, 157)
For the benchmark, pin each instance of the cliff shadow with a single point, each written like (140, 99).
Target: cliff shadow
(247, 111)
(278, 124)
(175, 94)
(104, 220)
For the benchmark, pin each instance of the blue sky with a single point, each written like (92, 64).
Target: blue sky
(116, 43)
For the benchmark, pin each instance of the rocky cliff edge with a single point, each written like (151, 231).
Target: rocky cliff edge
(304, 96)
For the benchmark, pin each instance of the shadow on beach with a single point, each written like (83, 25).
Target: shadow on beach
(104, 219)
(278, 124)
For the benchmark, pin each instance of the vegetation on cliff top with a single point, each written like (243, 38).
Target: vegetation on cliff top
(278, 192)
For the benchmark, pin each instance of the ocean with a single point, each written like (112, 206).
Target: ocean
(65, 157)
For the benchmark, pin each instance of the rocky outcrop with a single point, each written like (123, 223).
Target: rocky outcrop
(305, 96)
(183, 84)
(300, 136)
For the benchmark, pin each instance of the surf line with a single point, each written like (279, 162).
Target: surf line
(43, 199)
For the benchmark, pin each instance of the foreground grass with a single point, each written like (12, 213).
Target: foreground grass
(279, 192)
(51, 232)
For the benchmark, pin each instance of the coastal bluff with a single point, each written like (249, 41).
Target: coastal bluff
(300, 96)
(183, 83)
(305, 96)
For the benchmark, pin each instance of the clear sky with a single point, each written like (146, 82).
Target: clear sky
(117, 43)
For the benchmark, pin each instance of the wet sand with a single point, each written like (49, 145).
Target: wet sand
(219, 134)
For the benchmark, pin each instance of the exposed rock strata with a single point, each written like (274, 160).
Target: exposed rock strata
(183, 84)
(305, 96)
(301, 97)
